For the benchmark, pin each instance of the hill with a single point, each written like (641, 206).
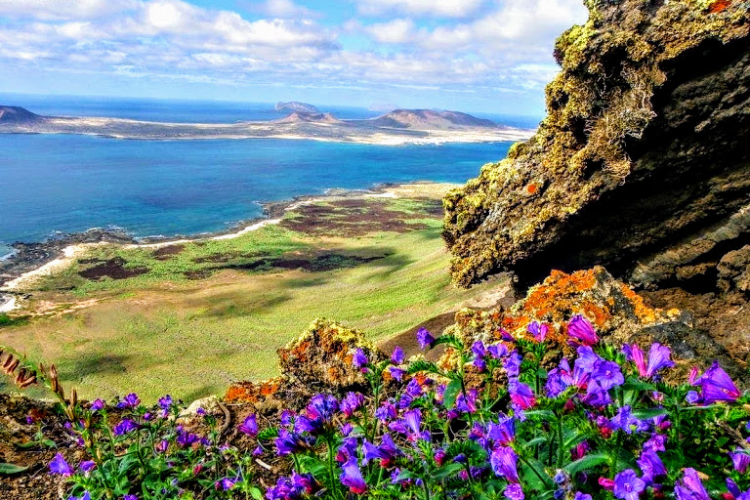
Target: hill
(430, 119)
(18, 115)
(302, 117)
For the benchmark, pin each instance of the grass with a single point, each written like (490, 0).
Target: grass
(162, 333)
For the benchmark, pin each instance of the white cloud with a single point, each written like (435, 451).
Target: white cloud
(396, 31)
(437, 8)
(507, 45)
(285, 9)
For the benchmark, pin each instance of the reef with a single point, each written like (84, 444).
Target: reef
(641, 164)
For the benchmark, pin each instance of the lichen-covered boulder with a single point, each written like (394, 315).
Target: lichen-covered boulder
(319, 360)
(643, 151)
(322, 356)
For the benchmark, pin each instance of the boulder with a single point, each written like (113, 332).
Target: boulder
(641, 164)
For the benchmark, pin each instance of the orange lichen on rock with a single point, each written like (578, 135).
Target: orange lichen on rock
(612, 307)
(532, 188)
(719, 6)
(251, 392)
(323, 355)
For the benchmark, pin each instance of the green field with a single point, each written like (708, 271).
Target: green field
(193, 322)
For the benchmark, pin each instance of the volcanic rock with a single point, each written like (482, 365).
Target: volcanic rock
(642, 163)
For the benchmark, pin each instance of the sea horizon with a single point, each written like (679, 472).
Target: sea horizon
(68, 184)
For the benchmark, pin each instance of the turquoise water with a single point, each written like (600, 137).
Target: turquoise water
(52, 183)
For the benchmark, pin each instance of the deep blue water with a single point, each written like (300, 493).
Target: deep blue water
(62, 183)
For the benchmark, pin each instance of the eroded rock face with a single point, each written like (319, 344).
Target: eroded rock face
(643, 162)
(734, 271)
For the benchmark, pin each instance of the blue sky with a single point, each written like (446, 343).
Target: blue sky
(492, 56)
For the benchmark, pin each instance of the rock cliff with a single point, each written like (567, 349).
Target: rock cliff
(642, 163)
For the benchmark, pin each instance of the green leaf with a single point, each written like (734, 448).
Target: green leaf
(649, 413)
(586, 463)
(447, 471)
(256, 493)
(451, 393)
(10, 469)
(535, 475)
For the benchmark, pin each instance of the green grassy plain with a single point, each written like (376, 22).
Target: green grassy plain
(200, 319)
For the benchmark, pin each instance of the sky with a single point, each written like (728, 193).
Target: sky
(491, 56)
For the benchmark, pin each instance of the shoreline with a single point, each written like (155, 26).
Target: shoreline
(61, 253)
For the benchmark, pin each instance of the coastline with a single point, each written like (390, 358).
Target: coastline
(55, 255)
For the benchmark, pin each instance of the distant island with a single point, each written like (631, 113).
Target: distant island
(402, 126)
(295, 106)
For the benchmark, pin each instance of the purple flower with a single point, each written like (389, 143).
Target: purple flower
(387, 411)
(98, 405)
(512, 364)
(717, 386)
(424, 338)
(625, 421)
(504, 463)
(58, 465)
(396, 372)
(225, 484)
(579, 451)
(249, 426)
(608, 375)
(163, 446)
(693, 398)
(386, 452)
(360, 358)
(503, 432)
(514, 492)
(86, 496)
(87, 466)
(581, 331)
(655, 443)
(130, 497)
(347, 429)
(124, 427)
(582, 496)
(130, 401)
(284, 490)
(290, 442)
(398, 356)
(351, 477)
(468, 403)
(555, 383)
(351, 403)
(691, 487)
(304, 483)
(498, 351)
(740, 459)
(413, 420)
(651, 466)
(628, 486)
(521, 394)
(200, 412)
(658, 359)
(287, 417)
(478, 349)
(596, 395)
(538, 331)
(347, 450)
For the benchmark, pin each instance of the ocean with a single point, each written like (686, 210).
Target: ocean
(58, 183)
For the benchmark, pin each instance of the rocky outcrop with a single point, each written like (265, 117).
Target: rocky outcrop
(318, 360)
(642, 163)
(619, 315)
